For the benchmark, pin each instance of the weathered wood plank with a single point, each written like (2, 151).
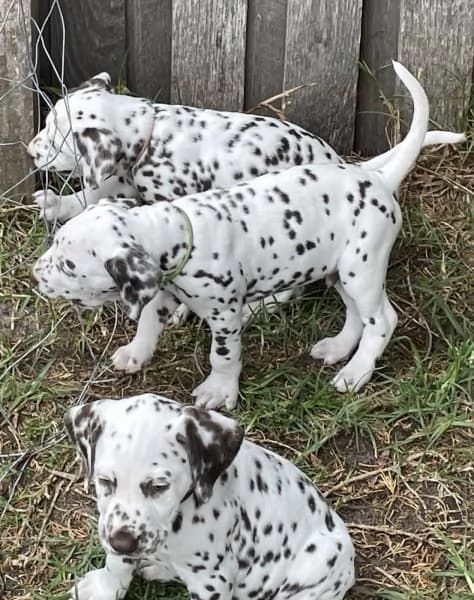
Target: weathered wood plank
(41, 28)
(149, 48)
(379, 45)
(95, 39)
(437, 44)
(16, 102)
(208, 56)
(265, 53)
(322, 46)
(432, 38)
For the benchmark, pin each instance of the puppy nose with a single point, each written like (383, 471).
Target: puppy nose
(123, 542)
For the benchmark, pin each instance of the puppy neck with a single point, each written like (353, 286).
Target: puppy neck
(165, 231)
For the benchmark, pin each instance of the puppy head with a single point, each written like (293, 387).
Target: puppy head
(146, 455)
(79, 136)
(101, 81)
(93, 260)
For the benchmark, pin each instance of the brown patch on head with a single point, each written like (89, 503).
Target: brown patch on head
(84, 428)
(101, 81)
(100, 150)
(212, 442)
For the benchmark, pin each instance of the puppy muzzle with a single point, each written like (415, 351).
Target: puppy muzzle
(127, 542)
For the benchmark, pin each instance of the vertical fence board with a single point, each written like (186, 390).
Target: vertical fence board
(379, 45)
(39, 13)
(149, 48)
(322, 46)
(212, 53)
(16, 102)
(437, 44)
(266, 28)
(94, 35)
(208, 56)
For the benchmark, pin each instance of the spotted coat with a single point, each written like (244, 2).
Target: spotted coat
(275, 233)
(181, 495)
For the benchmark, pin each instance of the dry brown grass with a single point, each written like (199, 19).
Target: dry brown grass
(396, 460)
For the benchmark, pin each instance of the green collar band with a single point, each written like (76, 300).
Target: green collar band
(189, 246)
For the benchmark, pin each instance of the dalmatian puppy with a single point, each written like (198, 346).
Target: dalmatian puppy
(124, 146)
(182, 495)
(217, 250)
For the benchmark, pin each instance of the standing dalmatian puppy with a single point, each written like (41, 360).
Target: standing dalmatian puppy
(124, 146)
(218, 250)
(181, 495)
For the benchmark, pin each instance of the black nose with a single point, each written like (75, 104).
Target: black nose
(123, 542)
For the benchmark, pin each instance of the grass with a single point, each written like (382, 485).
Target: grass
(396, 459)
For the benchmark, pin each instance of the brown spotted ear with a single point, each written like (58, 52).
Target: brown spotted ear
(100, 151)
(137, 275)
(212, 441)
(101, 81)
(85, 427)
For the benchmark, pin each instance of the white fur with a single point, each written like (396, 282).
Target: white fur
(275, 233)
(181, 496)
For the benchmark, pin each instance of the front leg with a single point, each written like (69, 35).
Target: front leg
(62, 207)
(222, 385)
(58, 208)
(108, 583)
(152, 321)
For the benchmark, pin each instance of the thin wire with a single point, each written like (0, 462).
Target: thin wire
(30, 82)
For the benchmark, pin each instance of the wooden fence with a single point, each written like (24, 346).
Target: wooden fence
(231, 54)
(16, 100)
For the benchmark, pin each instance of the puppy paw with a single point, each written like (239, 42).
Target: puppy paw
(157, 572)
(248, 312)
(53, 207)
(216, 391)
(99, 584)
(180, 316)
(330, 350)
(132, 357)
(353, 376)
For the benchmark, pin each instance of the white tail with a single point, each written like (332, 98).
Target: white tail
(408, 150)
(431, 138)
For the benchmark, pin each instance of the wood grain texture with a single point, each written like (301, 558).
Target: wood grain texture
(149, 48)
(94, 34)
(436, 43)
(322, 46)
(265, 53)
(208, 57)
(379, 45)
(16, 102)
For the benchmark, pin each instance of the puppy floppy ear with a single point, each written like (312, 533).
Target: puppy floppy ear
(137, 275)
(211, 441)
(100, 152)
(101, 81)
(85, 426)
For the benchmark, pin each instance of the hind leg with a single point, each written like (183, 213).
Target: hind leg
(324, 573)
(379, 321)
(333, 349)
(271, 304)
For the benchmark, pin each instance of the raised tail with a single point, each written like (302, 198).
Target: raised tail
(432, 138)
(398, 166)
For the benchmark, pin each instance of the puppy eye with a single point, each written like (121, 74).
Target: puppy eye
(153, 489)
(107, 484)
